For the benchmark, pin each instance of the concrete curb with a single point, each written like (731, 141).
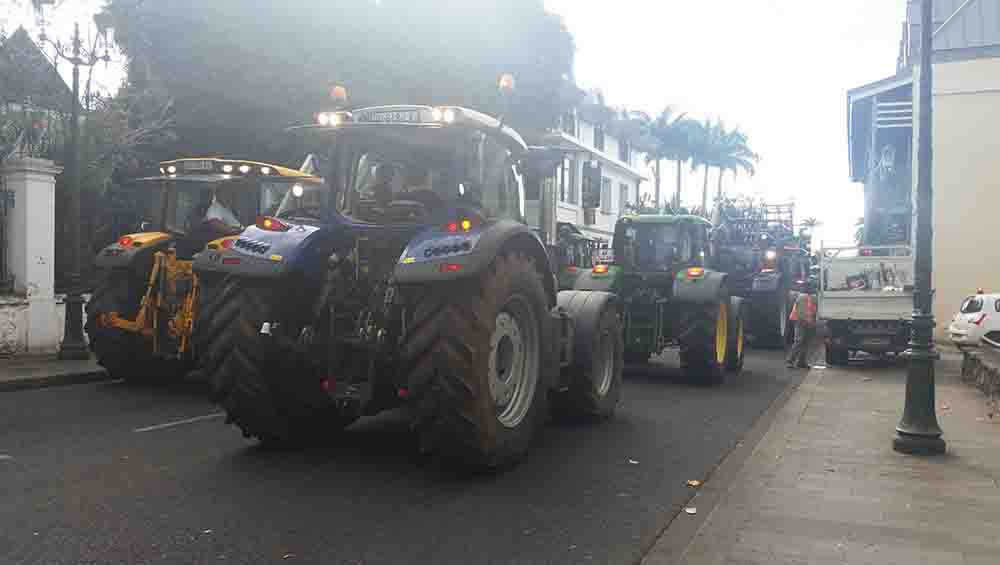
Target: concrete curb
(53, 380)
(679, 534)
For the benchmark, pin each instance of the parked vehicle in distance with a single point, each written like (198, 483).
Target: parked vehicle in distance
(866, 299)
(978, 316)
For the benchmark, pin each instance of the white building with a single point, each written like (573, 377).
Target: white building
(599, 176)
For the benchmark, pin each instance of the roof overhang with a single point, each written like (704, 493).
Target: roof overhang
(570, 143)
(859, 117)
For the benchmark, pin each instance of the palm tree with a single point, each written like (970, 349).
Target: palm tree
(732, 153)
(703, 143)
(662, 137)
(811, 223)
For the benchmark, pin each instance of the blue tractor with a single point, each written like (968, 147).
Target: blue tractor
(408, 279)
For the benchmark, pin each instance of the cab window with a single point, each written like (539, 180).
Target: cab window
(972, 305)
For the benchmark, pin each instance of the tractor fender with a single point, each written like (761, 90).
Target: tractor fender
(585, 307)
(258, 253)
(436, 255)
(704, 289)
(140, 248)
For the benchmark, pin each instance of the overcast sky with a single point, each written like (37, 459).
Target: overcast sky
(779, 69)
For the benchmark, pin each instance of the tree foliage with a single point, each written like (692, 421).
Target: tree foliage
(239, 72)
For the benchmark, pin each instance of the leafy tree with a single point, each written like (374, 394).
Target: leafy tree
(239, 74)
(704, 140)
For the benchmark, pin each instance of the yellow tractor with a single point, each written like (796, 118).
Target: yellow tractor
(142, 317)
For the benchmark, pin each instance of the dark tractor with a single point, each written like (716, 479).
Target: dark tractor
(577, 253)
(767, 262)
(409, 280)
(143, 317)
(664, 271)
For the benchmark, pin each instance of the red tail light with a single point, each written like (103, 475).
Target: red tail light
(600, 269)
(571, 269)
(227, 243)
(125, 241)
(450, 267)
(272, 224)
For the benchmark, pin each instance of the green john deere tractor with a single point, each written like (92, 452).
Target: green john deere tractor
(666, 274)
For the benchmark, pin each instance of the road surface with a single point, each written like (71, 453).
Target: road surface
(113, 473)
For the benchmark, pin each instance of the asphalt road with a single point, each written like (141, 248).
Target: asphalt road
(112, 473)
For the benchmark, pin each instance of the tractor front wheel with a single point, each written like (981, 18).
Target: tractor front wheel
(124, 354)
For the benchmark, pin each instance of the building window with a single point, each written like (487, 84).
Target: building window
(624, 151)
(564, 180)
(568, 123)
(605, 195)
(622, 197)
(599, 137)
(592, 197)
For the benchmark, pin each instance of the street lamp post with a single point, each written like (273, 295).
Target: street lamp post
(73, 346)
(918, 432)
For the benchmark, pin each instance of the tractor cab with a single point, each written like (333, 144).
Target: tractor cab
(657, 248)
(196, 201)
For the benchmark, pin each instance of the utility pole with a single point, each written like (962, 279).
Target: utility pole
(918, 432)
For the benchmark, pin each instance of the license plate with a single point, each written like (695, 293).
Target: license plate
(197, 165)
(875, 341)
(391, 117)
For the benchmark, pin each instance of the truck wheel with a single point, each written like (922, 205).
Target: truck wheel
(704, 342)
(475, 351)
(837, 356)
(264, 383)
(596, 373)
(736, 344)
(125, 355)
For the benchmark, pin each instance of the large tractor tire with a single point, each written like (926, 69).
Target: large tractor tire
(264, 382)
(595, 377)
(705, 342)
(736, 345)
(209, 299)
(474, 354)
(125, 355)
(770, 324)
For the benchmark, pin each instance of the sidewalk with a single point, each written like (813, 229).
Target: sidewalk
(39, 372)
(824, 486)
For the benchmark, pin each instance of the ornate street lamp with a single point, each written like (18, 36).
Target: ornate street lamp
(73, 345)
(918, 432)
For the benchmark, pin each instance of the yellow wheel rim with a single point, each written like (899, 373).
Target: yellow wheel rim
(721, 334)
(739, 338)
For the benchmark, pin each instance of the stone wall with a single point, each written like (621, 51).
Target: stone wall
(982, 368)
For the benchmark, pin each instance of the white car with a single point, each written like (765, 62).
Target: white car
(978, 316)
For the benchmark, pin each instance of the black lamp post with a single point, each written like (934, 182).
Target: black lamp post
(74, 346)
(918, 432)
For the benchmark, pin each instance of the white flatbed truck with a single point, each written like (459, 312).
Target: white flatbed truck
(865, 299)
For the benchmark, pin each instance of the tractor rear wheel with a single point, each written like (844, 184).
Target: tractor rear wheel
(475, 352)
(209, 293)
(125, 355)
(264, 382)
(770, 324)
(705, 341)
